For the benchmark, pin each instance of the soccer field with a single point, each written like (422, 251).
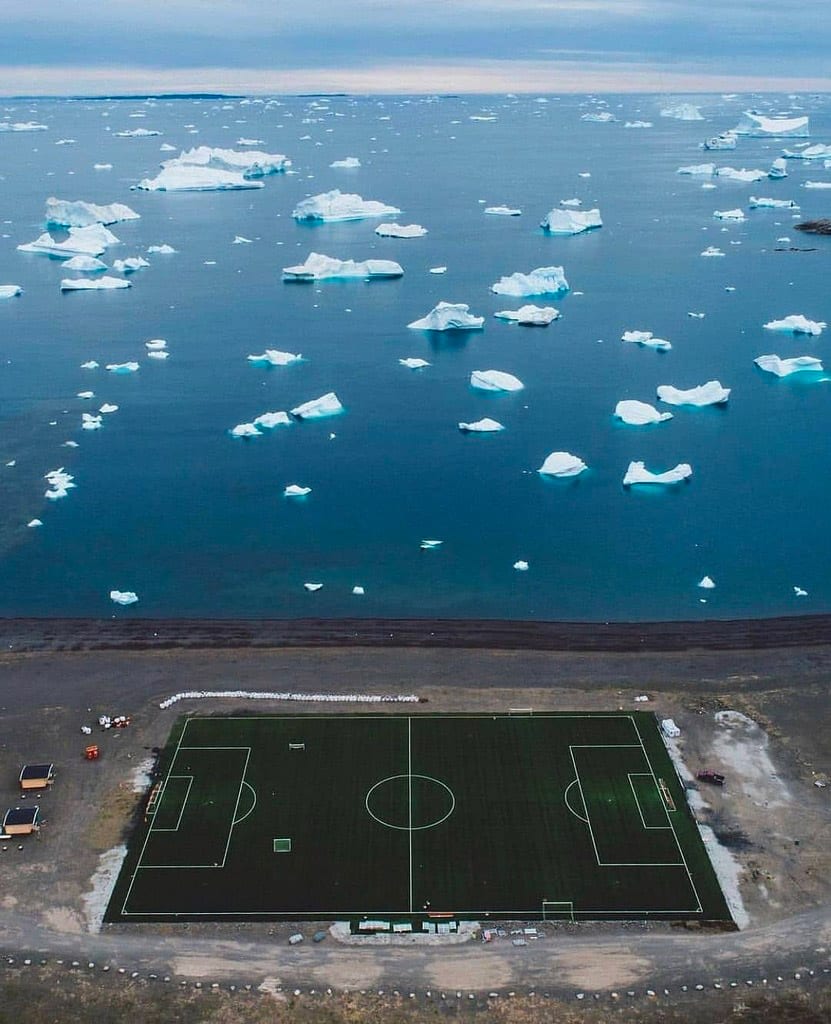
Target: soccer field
(529, 817)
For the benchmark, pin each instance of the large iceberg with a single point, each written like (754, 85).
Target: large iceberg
(542, 281)
(485, 426)
(711, 393)
(317, 408)
(785, 367)
(562, 464)
(93, 284)
(274, 357)
(270, 420)
(88, 241)
(638, 414)
(123, 597)
(570, 222)
(337, 205)
(637, 473)
(796, 323)
(250, 164)
(683, 112)
(319, 267)
(193, 178)
(816, 152)
(495, 380)
(757, 202)
(530, 316)
(449, 316)
(646, 339)
(78, 214)
(732, 174)
(400, 230)
(755, 124)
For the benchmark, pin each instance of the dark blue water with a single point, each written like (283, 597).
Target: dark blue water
(168, 505)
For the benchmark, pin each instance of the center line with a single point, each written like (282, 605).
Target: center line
(410, 801)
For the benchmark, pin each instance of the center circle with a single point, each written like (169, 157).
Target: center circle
(410, 802)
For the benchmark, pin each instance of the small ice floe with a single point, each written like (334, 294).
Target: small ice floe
(502, 211)
(155, 344)
(85, 263)
(430, 545)
(785, 367)
(711, 393)
(570, 222)
(711, 250)
(637, 473)
(90, 422)
(647, 340)
(347, 162)
(778, 169)
(321, 268)
(244, 430)
(603, 117)
(698, 170)
(317, 408)
(78, 214)
(638, 124)
(763, 203)
(542, 281)
(400, 230)
(241, 240)
(312, 587)
(413, 363)
(85, 394)
(249, 142)
(34, 522)
(274, 357)
(137, 133)
(530, 316)
(724, 140)
(796, 323)
(736, 215)
(571, 202)
(270, 420)
(10, 291)
(484, 426)
(90, 364)
(59, 482)
(167, 148)
(818, 151)
(296, 491)
(732, 174)
(495, 380)
(817, 184)
(706, 583)
(158, 353)
(70, 444)
(798, 591)
(123, 597)
(130, 265)
(89, 241)
(683, 112)
(90, 284)
(438, 270)
(358, 591)
(122, 368)
(638, 414)
(102, 167)
(336, 205)
(759, 126)
(562, 464)
(449, 316)
(697, 316)
(163, 250)
(22, 126)
(193, 178)
(108, 408)
(521, 566)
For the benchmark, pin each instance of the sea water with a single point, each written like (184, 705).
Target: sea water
(168, 505)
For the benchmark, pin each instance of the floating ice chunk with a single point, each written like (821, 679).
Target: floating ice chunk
(740, 175)
(798, 591)
(449, 316)
(123, 597)
(755, 124)
(122, 368)
(249, 142)
(250, 164)
(244, 430)
(348, 161)
(712, 250)
(638, 124)
(167, 148)
(59, 482)
(241, 240)
(603, 117)
(438, 270)
(86, 394)
(430, 545)
(797, 324)
(10, 291)
(358, 591)
(413, 363)
(502, 211)
(336, 205)
(137, 133)
(495, 380)
(815, 152)
(531, 316)
(646, 339)
(39, 522)
(711, 393)
(400, 230)
(130, 265)
(90, 241)
(164, 249)
(90, 422)
(542, 281)
(785, 367)
(698, 170)
(773, 204)
(683, 112)
(521, 566)
(22, 126)
(274, 357)
(312, 587)
(562, 464)
(296, 491)
(817, 184)
(725, 140)
(155, 344)
(321, 268)
(637, 473)
(697, 316)
(79, 214)
(270, 420)
(736, 214)
(108, 408)
(102, 167)
(571, 202)
(89, 284)
(90, 364)
(706, 583)
(570, 222)
(191, 178)
(485, 426)
(88, 264)
(317, 408)
(158, 354)
(638, 414)
(778, 169)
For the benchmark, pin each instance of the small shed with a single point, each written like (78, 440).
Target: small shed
(669, 728)
(37, 776)
(21, 821)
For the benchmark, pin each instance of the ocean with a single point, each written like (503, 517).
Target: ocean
(168, 505)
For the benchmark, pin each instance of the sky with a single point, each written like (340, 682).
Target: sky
(108, 47)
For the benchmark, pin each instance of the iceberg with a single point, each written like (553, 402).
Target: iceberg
(530, 316)
(86, 394)
(570, 222)
(317, 408)
(778, 169)
(358, 591)
(296, 491)
(123, 597)
(336, 205)
(88, 264)
(274, 357)
(90, 422)
(102, 167)
(740, 175)
(521, 565)
(155, 344)
(638, 124)
(270, 420)
(785, 367)
(90, 284)
(241, 240)
(736, 214)
(711, 250)
(637, 473)
(542, 281)
(9, 291)
(756, 203)
(59, 482)
(35, 522)
(312, 587)
(502, 211)
(130, 265)
(88, 241)
(484, 426)
(89, 365)
(250, 164)
(122, 368)
(562, 464)
(571, 202)
(107, 408)
(646, 339)
(193, 178)
(683, 112)
(725, 140)
(400, 230)
(638, 414)
(759, 126)
(711, 393)
(699, 170)
(706, 583)
(164, 249)
(438, 270)
(320, 268)
(431, 545)
(348, 161)
(245, 430)
(413, 363)
(78, 214)
(449, 316)
(22, 126)
(495, 380)
(815, 152)
(137, 133)
(797, 324)
(817, 184)
(604, 117)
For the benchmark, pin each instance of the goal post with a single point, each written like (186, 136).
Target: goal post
(558, 910)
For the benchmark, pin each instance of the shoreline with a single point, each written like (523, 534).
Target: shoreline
(35, 635)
